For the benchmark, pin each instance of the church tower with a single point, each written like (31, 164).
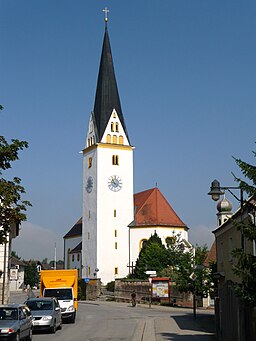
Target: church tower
(107, 180)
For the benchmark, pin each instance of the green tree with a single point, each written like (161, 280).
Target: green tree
(153, 256)
(31, 275)
(180, 264)
(12, 207)
(245, 267)
(14, 254)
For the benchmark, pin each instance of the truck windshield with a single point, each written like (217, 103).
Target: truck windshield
(61, 294)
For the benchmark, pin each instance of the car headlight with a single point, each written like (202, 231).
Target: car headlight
(46, 318)
(71, 308)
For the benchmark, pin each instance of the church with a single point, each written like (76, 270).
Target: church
(106, 241)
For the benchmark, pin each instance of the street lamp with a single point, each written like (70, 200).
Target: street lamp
(216, 191)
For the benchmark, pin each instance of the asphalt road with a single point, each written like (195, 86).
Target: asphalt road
(102, 321)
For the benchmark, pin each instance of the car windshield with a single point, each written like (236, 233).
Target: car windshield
(61, 294)
(40, 305)
(8, 314)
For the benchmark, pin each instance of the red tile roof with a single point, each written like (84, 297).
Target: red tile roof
(153, 209)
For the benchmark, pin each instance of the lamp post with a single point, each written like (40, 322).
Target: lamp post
(216, 191)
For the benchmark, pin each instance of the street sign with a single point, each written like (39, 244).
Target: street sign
(193, 276)
(87, 280)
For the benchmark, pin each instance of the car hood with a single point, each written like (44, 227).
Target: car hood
(41, 312)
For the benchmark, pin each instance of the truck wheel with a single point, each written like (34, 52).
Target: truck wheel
(73, 318)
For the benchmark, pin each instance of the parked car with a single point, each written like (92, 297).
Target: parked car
(15, 322)
(46, 313)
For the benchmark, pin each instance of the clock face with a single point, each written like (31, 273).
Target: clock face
(115, 183)
(89, 184)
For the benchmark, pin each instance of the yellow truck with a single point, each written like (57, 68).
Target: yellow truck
(62, 284)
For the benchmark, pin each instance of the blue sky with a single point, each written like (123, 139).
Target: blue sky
(187, 81)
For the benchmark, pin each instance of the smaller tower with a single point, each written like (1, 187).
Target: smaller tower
(224, 208)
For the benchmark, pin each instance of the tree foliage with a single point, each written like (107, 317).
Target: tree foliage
(12, 207)
(245, 265)
(153, 256)
(31, 275)
(177, 261)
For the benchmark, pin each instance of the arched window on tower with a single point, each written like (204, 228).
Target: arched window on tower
(117, 127)
(89, 162)
(115, 160)
(108, 138)
(112, 126)
(121, 139)
(115, 139)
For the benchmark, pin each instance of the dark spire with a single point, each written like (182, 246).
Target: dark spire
(107, 97)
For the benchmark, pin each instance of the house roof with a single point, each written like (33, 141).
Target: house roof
(16, 261)
(76, 249)
(153, 209)
(107, 97)
(76, 230)
(211, 256)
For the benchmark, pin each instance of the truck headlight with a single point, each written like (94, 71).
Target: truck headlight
(71, 308)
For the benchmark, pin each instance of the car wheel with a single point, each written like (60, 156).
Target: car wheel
(30, 336)
(53, 329)
(60, 326)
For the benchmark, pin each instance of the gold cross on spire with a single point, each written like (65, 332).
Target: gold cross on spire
(106, 10)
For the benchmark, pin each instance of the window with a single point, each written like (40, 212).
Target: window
(78, 257)
(89, 162)
(169, 240)
(89, 214)
(142, 242)
(88, 143)
(89, 270)
(115, 160)
(112, 126)
(121, 139)
(117, 127)
(115, 213)
(116, 245)
(114, 115)
(115, 233)
(115, 139)
(88, 235)
(73, 258)
(116, 271)
(108, 138)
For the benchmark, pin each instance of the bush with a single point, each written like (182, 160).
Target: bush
(111, 286)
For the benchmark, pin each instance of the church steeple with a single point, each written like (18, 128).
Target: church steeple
(107, 97)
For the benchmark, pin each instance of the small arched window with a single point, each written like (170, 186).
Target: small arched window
(117, 127)
(142, 243)
(89, 162)
(108, 138)
(115, 139)
(121, 139)
(115, 160)
(112, 126)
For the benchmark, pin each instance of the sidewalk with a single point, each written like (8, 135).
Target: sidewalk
(177, 327)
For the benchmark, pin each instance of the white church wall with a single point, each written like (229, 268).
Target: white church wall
(70, 244)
